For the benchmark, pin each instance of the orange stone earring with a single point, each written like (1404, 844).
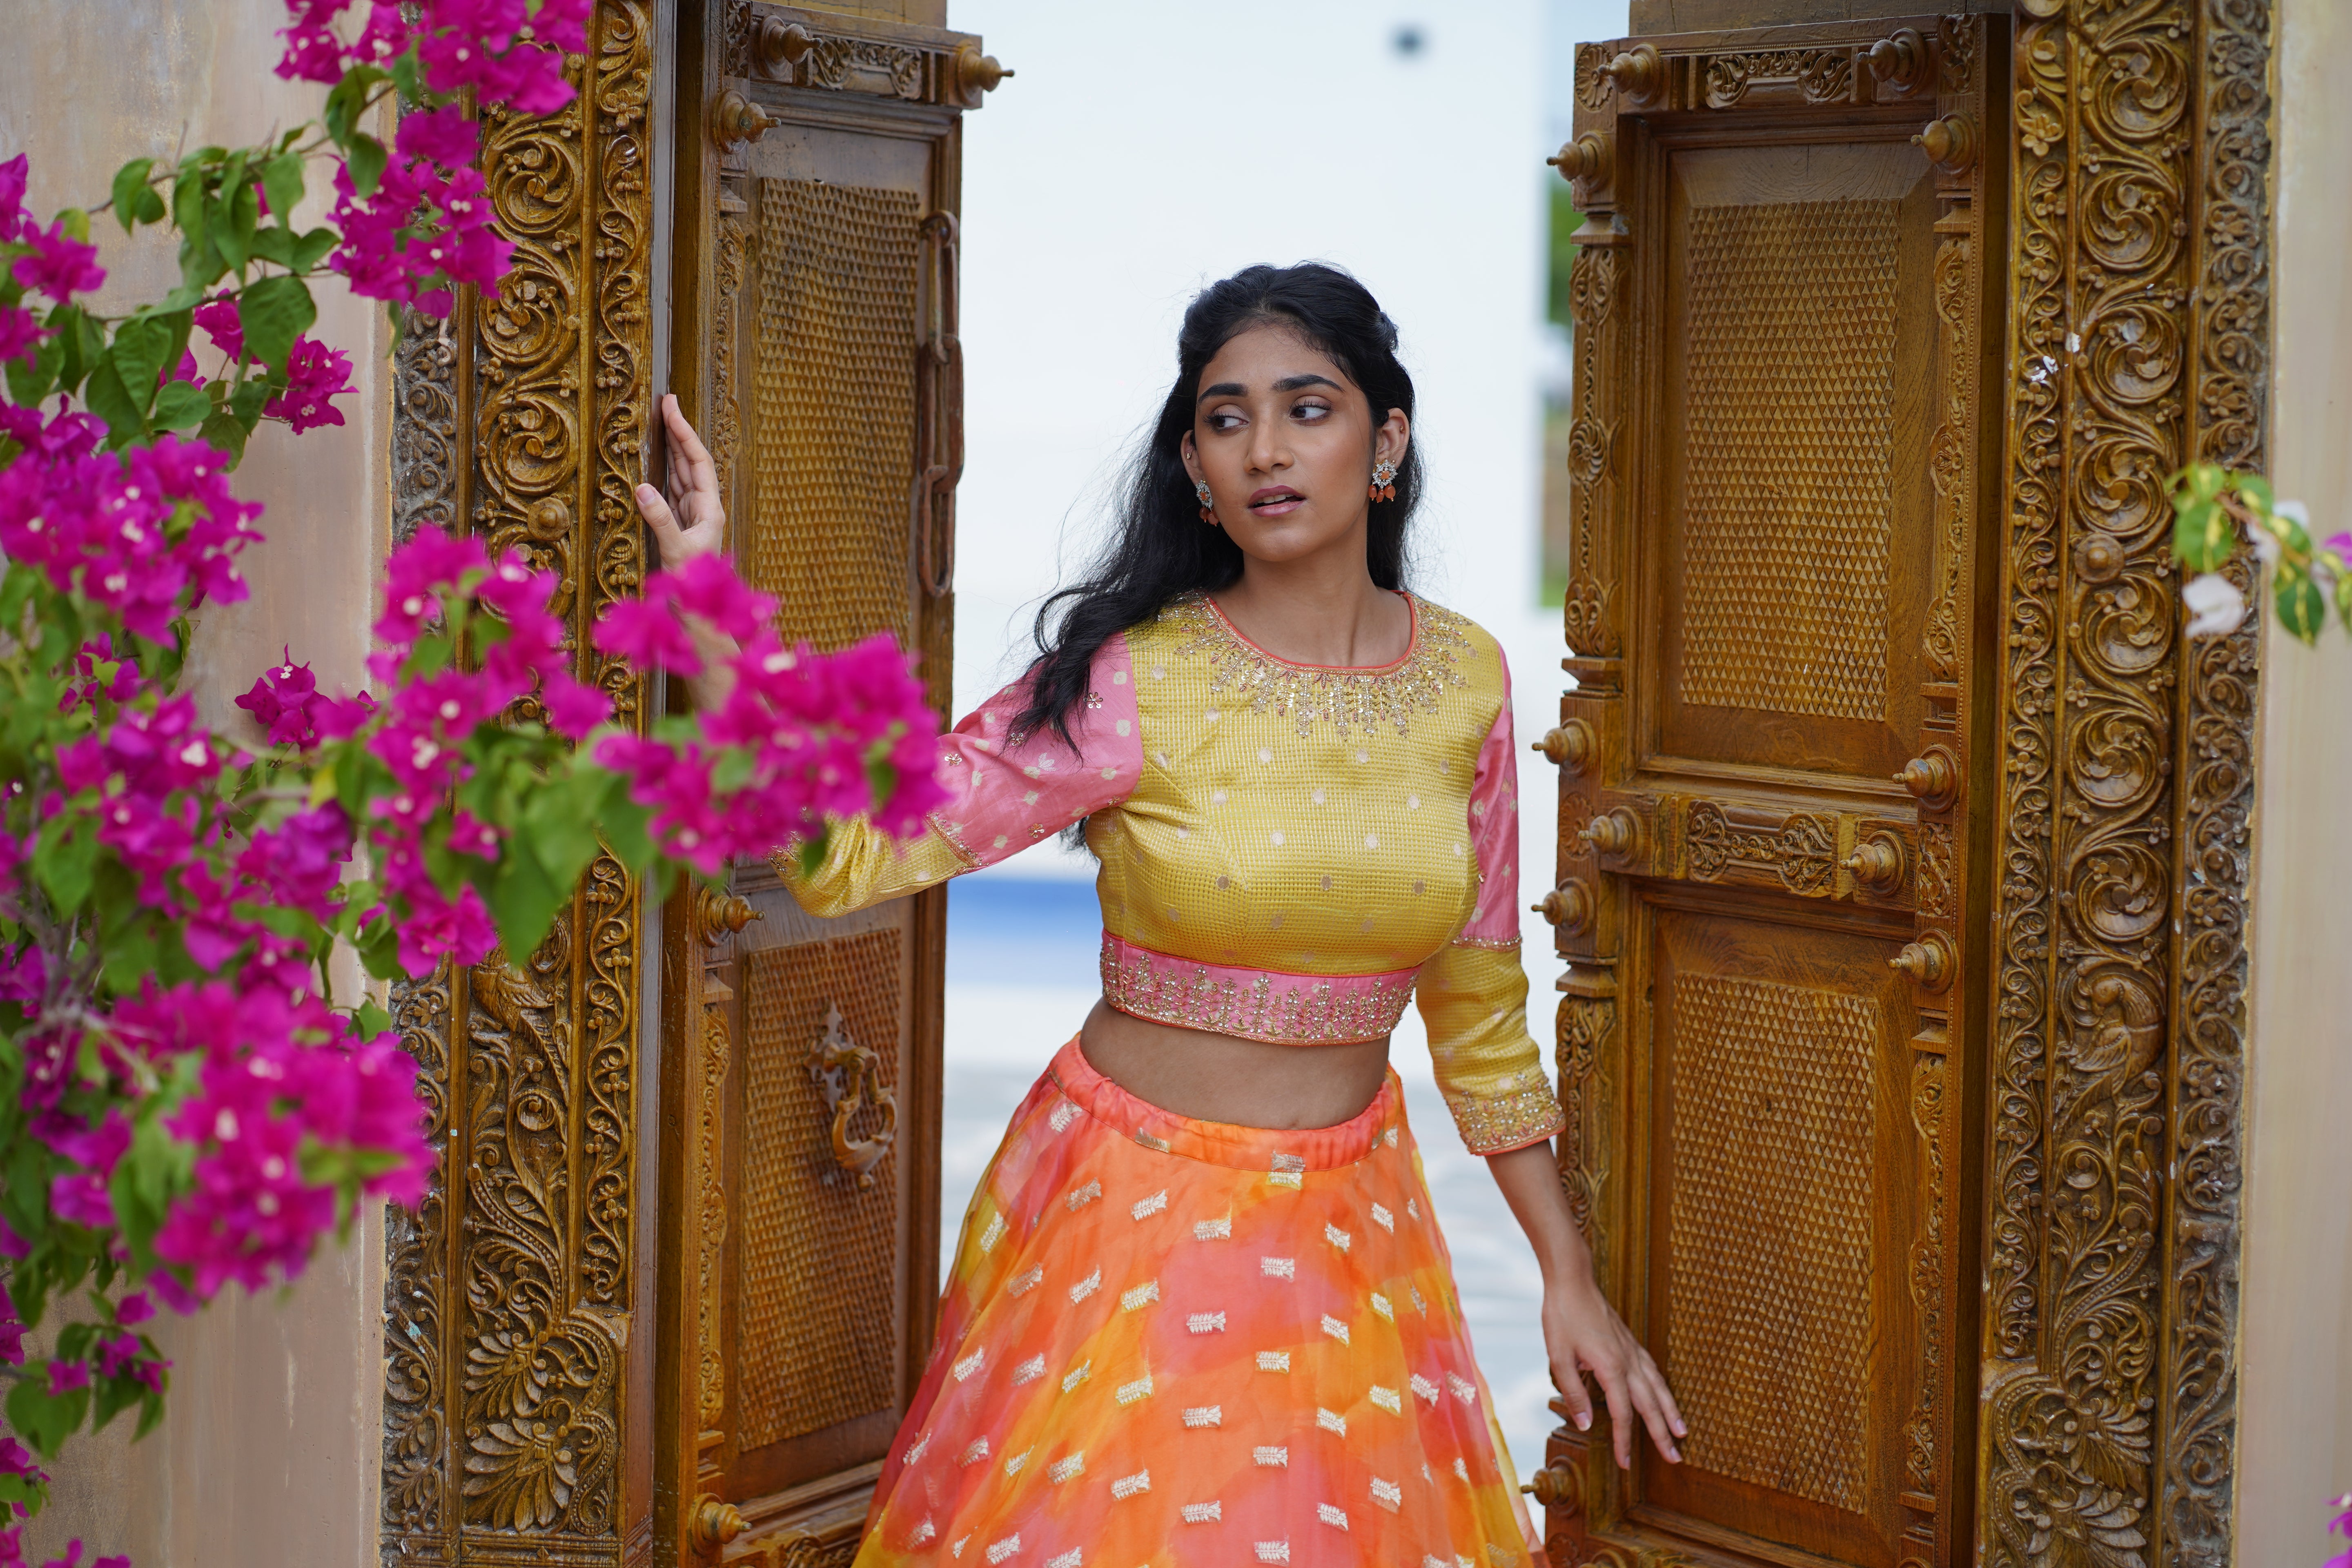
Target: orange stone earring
(1385, 482)
(1208, 507)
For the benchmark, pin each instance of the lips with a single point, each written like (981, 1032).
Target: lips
(1274, 501)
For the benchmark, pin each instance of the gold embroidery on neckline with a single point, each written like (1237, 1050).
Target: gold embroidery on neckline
(1310, 694)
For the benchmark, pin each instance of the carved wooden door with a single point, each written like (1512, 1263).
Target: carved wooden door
(814, 341)
(1775, 822)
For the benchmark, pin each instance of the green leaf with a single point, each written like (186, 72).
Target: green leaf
(349, 100)
(246, 403)
(30, 379)
(65, 862)
(274, 313)
(2302, 608)
(22, 1489)
(223, 430)
(366, 161)
(371, 1020)
(810, 855)
(151, 1175)
(181, 405)
(626, 829)
(2255, 487)
(405, 77)
(282, 178)
(142, 347)
(311, 247)
(43, 1419)
(2344, 599)
(378, 945)
(76, 222)
(129, 185)
(239, 215)
(2202, 536)
(125, 417)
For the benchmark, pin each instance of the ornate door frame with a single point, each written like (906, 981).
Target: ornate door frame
(2136, 339)
(517, 1423)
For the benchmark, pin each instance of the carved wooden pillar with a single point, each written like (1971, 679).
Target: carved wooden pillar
(2138, 341)
(515, 1429)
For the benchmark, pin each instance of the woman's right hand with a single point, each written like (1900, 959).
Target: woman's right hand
(691, 520)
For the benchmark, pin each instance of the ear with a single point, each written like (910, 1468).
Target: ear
(1185, 449)
(1390, 441)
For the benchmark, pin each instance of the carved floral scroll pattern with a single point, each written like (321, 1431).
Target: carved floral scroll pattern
(2110, 1404)
(508, 1293)
(1823, 76)
(1948, 462)
(2230, 421)
(1589, 615)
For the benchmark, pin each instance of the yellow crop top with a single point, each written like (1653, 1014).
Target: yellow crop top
(1289, 851)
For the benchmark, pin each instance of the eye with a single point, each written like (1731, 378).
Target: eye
(1225, 419)
(1310, 412)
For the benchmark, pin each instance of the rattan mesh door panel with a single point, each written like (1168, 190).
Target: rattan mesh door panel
(1791, 377)
(818, 1287)
(832, 417)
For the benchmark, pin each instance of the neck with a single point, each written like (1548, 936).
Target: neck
(1322, 608)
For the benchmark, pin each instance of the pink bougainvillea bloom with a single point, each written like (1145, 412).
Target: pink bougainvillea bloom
(60, 265)
(441, 136)
(133, 1308)
(16, 1460)
(67, 1376)
(20, 333)
(221, 323)
(573, 708)
(315, 374)
(14, 175)
(644, 631)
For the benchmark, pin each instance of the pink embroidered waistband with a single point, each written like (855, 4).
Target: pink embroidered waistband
(1254, 1004)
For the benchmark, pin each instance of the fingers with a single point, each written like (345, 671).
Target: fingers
(1620, 1410)
(701, 473)
(668, 536)
(1573, 1394)
(1648, 1390)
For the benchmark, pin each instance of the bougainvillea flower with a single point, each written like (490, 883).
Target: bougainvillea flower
(59, 266)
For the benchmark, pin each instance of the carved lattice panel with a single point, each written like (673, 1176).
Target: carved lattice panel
(832, 415)
(817, 1277)
(1791, 430)
(1770, 1244)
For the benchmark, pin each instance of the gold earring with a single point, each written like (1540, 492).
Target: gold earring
(1207, 505)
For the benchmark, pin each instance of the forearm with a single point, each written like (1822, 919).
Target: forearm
(717, 651)
(1531, 1183)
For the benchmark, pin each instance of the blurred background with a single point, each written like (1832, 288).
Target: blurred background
(1141, 153)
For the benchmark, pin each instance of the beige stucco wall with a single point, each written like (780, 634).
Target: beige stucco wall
(2296, 1436)
(269, 1457)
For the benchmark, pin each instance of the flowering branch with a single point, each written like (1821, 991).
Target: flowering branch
(185, 1104)
(2216, 509)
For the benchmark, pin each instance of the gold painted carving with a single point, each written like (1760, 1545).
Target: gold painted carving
(1928, 1112)
(1590, 615)
(1820, 76)
(1588, 1026)
(1801, 853)
(508, 1293)
(710, 1385)
(1592, 87)
(1948, 463)
(2139, 266)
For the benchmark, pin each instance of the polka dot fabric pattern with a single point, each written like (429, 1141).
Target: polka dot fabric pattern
(1168, 1342)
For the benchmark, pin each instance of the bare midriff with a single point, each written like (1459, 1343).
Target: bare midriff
(1223, 1078)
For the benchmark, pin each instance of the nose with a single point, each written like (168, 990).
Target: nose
(1269, 450)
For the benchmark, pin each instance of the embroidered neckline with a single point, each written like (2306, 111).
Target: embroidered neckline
(1348, 697)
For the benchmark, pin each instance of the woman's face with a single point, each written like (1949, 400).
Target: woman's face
(1287, 443)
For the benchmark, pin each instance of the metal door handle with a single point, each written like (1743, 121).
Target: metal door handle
(849, 1075)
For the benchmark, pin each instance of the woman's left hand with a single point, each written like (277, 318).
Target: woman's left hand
(690, 521)
(1583, 1333)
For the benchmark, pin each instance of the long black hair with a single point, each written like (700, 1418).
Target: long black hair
(1161, 549)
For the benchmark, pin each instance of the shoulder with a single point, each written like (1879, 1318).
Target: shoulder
(1451, 641)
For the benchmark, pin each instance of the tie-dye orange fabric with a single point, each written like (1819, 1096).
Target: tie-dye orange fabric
(1170, 1342)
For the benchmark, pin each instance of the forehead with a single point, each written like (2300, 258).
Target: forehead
(1258, 356)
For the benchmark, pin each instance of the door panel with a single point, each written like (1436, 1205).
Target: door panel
(818, 266)
(1773, 866)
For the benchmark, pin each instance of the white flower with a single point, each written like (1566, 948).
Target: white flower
(2214, 604)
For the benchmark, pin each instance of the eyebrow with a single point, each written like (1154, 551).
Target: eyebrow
(1288, 384)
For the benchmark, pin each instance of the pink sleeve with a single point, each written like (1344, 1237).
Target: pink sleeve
(1004, 797)
(1494, 832)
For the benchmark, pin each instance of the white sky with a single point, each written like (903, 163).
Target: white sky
(1143, 151)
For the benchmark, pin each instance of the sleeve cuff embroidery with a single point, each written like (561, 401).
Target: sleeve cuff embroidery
(1499, 1124)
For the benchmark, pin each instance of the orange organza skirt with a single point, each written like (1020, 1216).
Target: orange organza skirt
(1175, 1342)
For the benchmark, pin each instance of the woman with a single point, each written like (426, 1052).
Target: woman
(1200, 1312)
